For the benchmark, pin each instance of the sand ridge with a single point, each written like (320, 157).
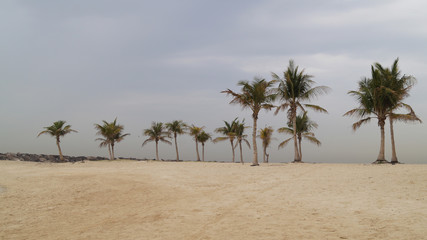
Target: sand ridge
(195, 200)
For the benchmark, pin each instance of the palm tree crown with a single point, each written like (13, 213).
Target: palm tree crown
(304, 131)
(156, 133)
(256, 95)
(229, 132)
(203, 137)
(241, 137)
(401, 86)
(266, 136)
(58, 130)
(195, 132)
(111, 133)
(176, 127)
(294, 88)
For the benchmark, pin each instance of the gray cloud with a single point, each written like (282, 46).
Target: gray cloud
(144, 61)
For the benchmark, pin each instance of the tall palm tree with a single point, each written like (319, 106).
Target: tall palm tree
(195, 132)
(176, 127)
(229, 132)
(401, 86)
(203, 137)
(58, 130)
(304, 131)
(156, 133)
(241, 136)
(376, 99)
(266, 136)
(112, 133)
(294, 88)
(407, 117)
(256, 95)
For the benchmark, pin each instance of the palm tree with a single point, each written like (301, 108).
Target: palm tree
(112, 133)
(176, 127)
(240, 136)
(304, 128)
(229, 132)
(58, 130)
(266, 136)
(156, 133)
(202, 138)
(375, 98)
(401, 86)
(256, 95)
(195, 132)
(293, 89)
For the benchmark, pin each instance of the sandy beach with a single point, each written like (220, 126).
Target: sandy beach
(195, 200)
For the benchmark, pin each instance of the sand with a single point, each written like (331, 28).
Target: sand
(194, 200)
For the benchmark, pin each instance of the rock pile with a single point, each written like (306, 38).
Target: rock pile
(45, 158)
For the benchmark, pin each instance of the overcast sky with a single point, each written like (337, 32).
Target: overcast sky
(144, 61)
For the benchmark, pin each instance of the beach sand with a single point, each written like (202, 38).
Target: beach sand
(195, 200)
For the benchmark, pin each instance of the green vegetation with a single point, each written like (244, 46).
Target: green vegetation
(379, 96)
(156, 133)
(304, 126)
(203, 137)
(58, 130)
(255, 95)
(229, 132)
(112, 133)
(294, 88)
(176, 128)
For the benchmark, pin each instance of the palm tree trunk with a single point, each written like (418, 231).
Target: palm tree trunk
(109, 151)
(112, 151)
(176, 147)
(393, 146)
(294, 126)
(59, 149)
(381, 155)
(232, 149)
(241, 154)
(265, 154)
(203, 152)
(255, 152)
(299, 146)
(197, 150)
(157, 150)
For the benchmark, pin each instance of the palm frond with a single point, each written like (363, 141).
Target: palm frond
(359, 123)
(284, 143)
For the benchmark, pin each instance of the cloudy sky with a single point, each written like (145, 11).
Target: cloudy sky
(144, 61)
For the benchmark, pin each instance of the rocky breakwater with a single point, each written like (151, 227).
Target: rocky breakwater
(45, 158)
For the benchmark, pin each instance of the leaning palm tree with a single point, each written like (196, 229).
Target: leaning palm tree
(294, 88)
(304, 131)
(111, 133)
(229, 132)
(256, 95)
(156, 133)
(203, 137)
(266, 136)
(241, 137)
(376, 99)
(58, 130)
(401, 86)
(195, 132)
(176, 127)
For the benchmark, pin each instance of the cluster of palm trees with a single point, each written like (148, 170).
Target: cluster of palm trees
(161, 132)
(294, 88)
(379, 97)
